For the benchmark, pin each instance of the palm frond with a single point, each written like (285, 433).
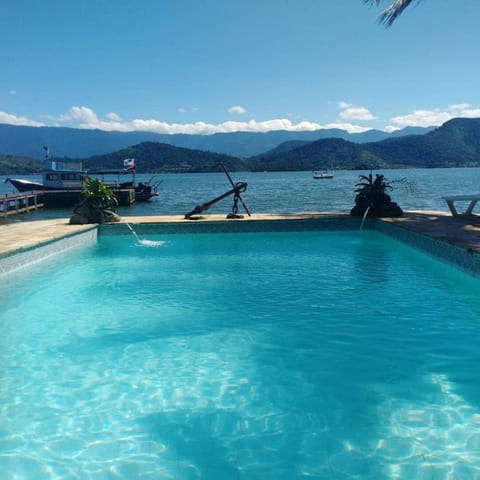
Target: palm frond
(391, 13)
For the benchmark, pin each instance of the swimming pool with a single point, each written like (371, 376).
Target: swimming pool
(283, 355)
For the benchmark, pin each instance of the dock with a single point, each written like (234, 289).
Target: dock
(14, 204)
(69, 198)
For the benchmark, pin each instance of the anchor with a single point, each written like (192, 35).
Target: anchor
(237, 189)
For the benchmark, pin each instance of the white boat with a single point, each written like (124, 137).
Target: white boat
(62, 176)
(55, 176)
(322, 175)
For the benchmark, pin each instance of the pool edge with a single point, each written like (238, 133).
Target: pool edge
(433, 233)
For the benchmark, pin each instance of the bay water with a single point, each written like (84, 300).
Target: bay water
(286, 192)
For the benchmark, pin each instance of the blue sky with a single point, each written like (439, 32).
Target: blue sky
(185, 66)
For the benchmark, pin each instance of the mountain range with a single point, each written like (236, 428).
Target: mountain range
(81, 143)
(454, 144)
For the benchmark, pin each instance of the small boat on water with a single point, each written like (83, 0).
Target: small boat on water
(144, 191)
(68, 177)
(322, 175)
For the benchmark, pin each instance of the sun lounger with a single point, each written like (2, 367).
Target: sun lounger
(473, 199)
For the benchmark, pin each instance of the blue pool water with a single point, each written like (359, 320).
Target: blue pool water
(299, 355)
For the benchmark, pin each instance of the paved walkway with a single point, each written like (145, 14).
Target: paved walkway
(19, 235)
(461, 231)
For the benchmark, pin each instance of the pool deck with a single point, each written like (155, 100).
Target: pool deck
(463, 232)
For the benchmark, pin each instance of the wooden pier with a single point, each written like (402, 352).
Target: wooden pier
(14, 204)
(69, 198)
(10, 204)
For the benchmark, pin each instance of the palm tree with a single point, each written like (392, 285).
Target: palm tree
(391, 13)
(372, 198)
(97, 203)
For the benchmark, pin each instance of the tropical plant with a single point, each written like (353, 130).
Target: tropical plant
(391, 13)
(97, 205)
(372, 199)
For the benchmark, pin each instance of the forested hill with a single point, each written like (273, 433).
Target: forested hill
(150, 157)
(153, 157)
(11, 164)
(455, 144)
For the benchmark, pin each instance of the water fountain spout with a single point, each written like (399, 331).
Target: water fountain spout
(365, 216)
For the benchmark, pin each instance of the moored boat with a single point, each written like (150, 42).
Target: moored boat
(68, 177)
(144, 191)
(322, 175)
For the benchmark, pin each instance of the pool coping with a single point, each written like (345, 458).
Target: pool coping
(454, 240)
(18, 237)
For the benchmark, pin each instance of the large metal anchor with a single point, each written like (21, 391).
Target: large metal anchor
(237, 189)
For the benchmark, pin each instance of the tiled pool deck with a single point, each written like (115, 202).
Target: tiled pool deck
(453, 239)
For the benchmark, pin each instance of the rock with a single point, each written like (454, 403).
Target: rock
(111, 217)
(77, 219)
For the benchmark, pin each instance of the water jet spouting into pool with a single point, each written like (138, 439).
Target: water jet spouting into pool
(365, 216)
(145, 243)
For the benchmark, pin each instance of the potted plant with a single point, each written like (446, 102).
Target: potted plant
(97, 205)
(372, 197)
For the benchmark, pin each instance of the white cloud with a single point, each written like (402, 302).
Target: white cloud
(85, 117)
(434, 117)
(391, 128)
(10, 119)
(204, 128)
(237, 109)
(12, 92)
(350, 128)
(113, 116)
(186, 110)
(357, 113)
(464, 110)
(421, 118)
(352, 112)
(82, 115)
(460, 106)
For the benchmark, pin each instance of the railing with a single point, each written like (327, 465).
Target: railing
(13, 204)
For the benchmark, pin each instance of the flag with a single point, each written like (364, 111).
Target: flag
(129, 164)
